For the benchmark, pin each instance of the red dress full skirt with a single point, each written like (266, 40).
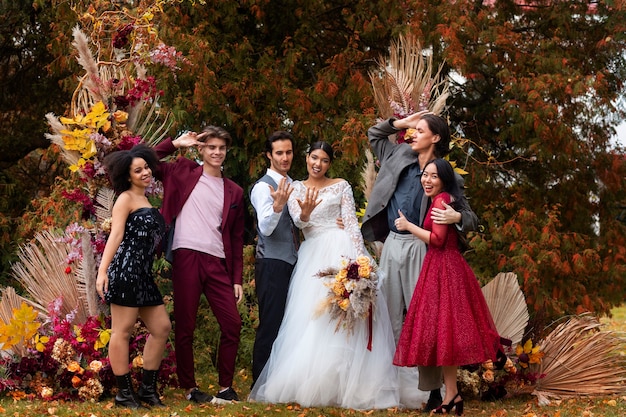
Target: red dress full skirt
(448, 322)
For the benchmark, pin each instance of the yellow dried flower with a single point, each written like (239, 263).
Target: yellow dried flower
(138, 362)
(91, 390)
(103, 339)
(488, 375)
(95, 366)
(62, 352)
(364, 271)
(46, 392)
(363, 261)
(120, 116)
(76, 381)
(338, 289)
(528, 353)
(106, 225)
(75, 367)
(341, 275)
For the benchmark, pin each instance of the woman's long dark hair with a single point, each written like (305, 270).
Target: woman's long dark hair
(450, 185)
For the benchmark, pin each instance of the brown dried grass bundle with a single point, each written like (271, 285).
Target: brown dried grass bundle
(581, 359)
(91, 80)
(404, 83)
(368, 175)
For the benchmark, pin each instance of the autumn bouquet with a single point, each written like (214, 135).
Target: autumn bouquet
(352, 292)
(508, 376)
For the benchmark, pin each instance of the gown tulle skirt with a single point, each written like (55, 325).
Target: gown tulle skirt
(312, 364)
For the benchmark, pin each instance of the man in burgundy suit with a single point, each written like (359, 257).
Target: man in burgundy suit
(207, 212)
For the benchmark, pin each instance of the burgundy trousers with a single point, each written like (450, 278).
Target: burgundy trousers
(193, 274)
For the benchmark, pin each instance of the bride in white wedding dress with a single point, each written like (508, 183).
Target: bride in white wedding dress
(311, 363)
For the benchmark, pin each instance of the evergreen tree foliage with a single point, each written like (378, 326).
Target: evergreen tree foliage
(537, 94)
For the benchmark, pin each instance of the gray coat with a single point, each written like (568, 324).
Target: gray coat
(394, 158)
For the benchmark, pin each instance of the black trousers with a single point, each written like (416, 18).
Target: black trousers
(272, 278)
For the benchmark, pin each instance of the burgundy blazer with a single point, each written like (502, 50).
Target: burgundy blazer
(179, 178)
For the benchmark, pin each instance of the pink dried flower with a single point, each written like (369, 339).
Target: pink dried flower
(168, 56)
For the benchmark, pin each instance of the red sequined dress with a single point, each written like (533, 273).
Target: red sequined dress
(448, 321)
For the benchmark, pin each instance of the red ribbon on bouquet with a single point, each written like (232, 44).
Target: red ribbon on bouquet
(369, 340)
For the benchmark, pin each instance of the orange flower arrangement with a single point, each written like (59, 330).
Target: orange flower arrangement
(352, 293)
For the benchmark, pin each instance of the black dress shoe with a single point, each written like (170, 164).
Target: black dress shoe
(198, 396)
(227, 396)
(434, 401)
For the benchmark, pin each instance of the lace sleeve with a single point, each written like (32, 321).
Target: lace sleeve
(294, 207)
(350, 222)
(440, 231)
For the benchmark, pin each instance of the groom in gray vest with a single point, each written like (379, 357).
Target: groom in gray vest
(277, 245)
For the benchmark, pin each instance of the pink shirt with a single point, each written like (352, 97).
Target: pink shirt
(199, 222)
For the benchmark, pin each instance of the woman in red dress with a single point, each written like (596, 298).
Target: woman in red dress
(448, 323)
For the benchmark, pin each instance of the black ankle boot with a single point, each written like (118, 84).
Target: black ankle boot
(148, 390)
(126, 396)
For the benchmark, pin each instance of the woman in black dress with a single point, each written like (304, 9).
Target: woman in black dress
(125, 278)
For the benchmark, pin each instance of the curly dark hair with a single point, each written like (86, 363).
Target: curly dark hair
(118, 164)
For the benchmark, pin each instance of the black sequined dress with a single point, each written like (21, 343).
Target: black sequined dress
(131, 282)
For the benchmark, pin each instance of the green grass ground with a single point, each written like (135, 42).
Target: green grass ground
(177, 405)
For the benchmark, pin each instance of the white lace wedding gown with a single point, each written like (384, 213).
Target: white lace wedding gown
(310, 363)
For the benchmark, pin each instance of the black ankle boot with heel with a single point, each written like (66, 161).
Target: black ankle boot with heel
(148, 390)
(126, 396)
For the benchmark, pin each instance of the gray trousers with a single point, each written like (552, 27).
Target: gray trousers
(401, 261)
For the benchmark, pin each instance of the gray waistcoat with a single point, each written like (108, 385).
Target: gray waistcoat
(281, 244)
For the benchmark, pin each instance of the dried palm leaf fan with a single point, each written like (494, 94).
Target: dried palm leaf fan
(581, 359)
(42, 271)
(507, 306)
(404, 83)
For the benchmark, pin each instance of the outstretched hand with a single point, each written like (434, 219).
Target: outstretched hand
(445, 216)
(281, 194)
(308, 203)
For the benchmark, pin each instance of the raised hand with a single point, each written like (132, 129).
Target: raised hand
(409, 122)
(281, 194)
(308, 203)
(189, 139)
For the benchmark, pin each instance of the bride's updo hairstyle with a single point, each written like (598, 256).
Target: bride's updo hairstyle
(323, 146)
